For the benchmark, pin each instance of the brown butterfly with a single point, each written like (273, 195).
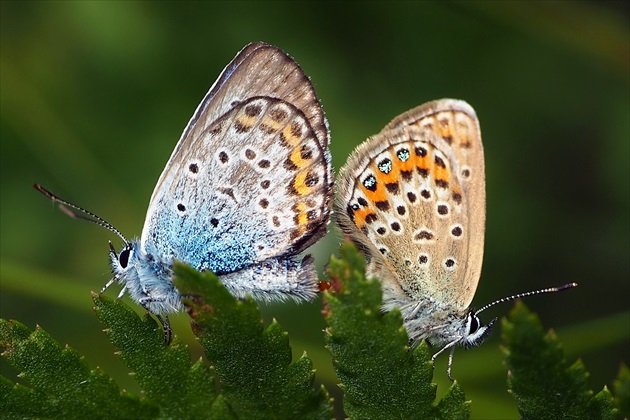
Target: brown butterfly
(413, 199)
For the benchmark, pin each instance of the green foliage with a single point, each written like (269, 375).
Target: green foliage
(60, 384)
(543, 383)
(168, 379)
(253, 377)
(622, 392)
(253, 363)
(380, 375)
(258, 379)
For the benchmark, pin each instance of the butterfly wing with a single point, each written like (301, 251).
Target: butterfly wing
(259, 69)
(250, 179)
(413, 197)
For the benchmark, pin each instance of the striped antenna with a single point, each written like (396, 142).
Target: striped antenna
(69, 209)
(532, 293)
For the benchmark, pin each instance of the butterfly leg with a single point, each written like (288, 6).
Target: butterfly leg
(109, 283)
(166, 324)
(122, 292)
(451, 346)
(168, 330)
(450, 363)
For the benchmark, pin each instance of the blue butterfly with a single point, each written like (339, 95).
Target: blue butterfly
(247, 188)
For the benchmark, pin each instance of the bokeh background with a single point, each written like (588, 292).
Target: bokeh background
(94, 96)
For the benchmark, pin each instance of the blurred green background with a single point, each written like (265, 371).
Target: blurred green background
(94, 96)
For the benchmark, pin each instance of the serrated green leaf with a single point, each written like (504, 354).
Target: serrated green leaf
(622, 391)
(254, 363)
(542, 382)
(381, 376)
(601, 406)
(18, 401)
(59, 384)
(165, 373)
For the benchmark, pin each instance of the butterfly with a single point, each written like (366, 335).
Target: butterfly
(413, 199)
(247, 188)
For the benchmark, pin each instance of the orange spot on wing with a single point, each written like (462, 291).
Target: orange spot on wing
(422, 162)
(299, 183)
(296, 158)
(440, 173)
(360, 216)
(302, 219)
(383, 178)
(445, 131)
(379, 194)
(407, 165)
(463, 134)
(246, 121)
(297, 232)
(289, 137)
(271, 123)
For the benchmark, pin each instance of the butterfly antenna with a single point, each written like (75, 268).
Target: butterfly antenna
(532, 293)
(69, 209)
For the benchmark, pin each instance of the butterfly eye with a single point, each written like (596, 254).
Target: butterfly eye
(123, 258)
(477, 333)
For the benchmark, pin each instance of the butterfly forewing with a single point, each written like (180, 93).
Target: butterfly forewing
(416, 193)
(271, 142)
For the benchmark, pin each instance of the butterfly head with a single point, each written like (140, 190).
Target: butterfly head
(124, 260)
(476, 332)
